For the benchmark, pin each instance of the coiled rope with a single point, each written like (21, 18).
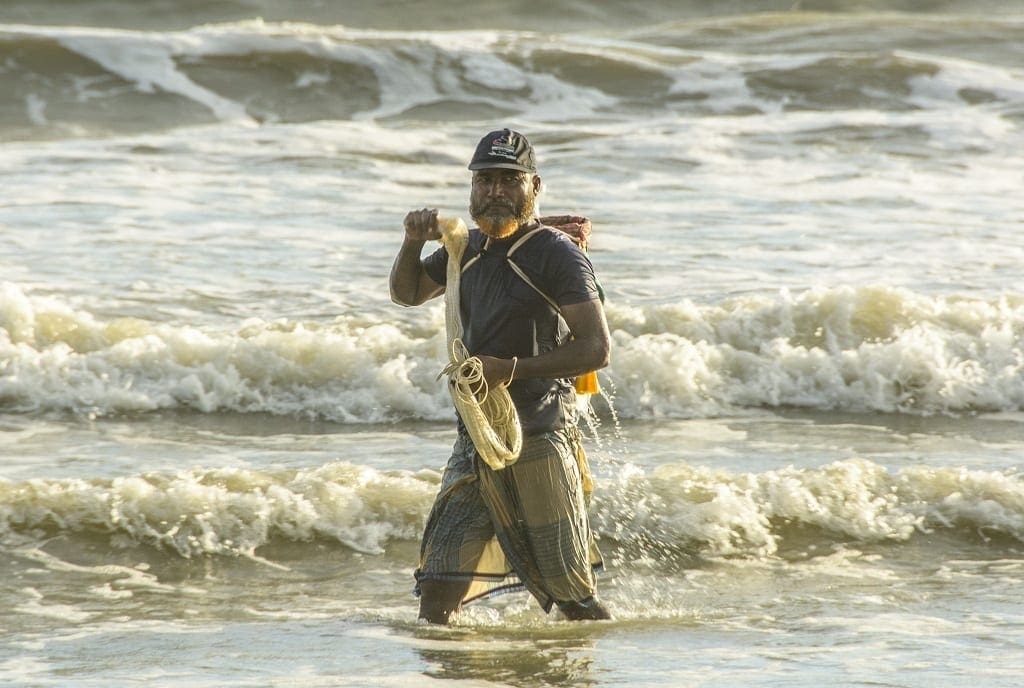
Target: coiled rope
(488, 414)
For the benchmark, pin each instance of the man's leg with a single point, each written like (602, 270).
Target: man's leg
(589, 609)
(439, 599)
(457, 534)
(546, 487)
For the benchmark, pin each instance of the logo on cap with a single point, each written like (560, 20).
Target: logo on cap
(502, 147)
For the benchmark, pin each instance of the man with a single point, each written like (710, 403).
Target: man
(528, 521)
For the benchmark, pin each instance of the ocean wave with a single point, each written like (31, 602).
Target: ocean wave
(678, 508)
(576, 15)
(53, 357)
(712, 512)
(846, 348)
(859, 349)
(228, 511)
(76, 81)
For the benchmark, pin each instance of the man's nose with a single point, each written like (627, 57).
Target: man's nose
(495, 189)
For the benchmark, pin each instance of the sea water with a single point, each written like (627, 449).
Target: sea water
(221, 439)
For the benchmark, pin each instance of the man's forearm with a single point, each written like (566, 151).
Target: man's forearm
(589, 349)
(573, 358)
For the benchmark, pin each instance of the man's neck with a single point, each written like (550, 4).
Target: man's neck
(520, 231)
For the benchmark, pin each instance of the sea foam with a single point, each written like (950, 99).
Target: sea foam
(681, 507)
(228, 511)
(677, 508)
(856, 349)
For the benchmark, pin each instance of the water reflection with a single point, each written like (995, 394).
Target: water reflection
(519, 662)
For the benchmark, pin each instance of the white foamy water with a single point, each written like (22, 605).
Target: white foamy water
(859, 349)
(221, 440)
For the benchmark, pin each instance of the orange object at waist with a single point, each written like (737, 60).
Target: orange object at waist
(587, 383)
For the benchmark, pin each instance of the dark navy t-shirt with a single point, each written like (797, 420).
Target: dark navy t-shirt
(503, 316)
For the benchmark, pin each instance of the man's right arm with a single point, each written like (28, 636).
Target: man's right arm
(410, 283)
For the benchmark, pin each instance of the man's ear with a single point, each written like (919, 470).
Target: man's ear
(536, 183)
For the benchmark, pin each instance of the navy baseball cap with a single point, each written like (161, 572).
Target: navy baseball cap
(505, 149)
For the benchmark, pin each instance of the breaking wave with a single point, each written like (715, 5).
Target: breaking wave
(79, 81)
(852, 349)
(677, 508)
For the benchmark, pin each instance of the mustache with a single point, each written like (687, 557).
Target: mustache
(495, 208)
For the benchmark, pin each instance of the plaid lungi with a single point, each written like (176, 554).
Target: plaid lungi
(525, 526)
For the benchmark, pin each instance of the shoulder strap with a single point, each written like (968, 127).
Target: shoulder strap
(469, 262)
(476, 257)
(519, 271)
(522, 240)
(515, 268)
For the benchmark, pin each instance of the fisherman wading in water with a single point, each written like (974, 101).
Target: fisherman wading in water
(532, 314)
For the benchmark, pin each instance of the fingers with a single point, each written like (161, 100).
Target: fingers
(421, 225)
(496, 371)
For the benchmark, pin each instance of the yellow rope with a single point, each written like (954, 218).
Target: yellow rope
(488, 414)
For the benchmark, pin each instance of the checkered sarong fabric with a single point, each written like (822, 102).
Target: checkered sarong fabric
(525, 526)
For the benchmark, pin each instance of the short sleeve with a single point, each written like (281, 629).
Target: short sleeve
(570, 273)
(436, 265)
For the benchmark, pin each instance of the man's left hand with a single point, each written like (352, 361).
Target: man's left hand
(497, 371)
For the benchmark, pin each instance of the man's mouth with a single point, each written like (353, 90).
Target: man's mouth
(506, 207)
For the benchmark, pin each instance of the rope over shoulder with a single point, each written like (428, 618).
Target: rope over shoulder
(488, 414)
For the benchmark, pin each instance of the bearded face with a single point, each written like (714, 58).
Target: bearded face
(501, 201)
